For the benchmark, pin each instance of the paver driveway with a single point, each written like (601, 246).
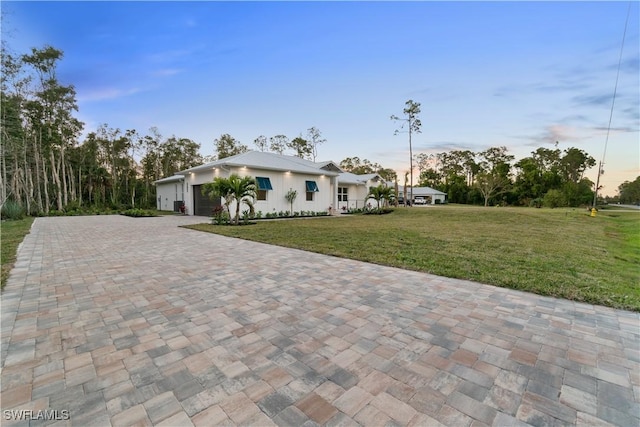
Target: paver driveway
(122, 321)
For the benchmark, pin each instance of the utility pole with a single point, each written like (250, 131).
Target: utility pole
(595, 193)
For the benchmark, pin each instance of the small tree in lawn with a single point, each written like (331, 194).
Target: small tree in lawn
(291, 197)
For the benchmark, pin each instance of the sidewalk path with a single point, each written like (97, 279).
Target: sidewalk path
(110, 320)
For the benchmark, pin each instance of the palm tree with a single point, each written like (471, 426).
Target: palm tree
(233, 189)
(380, 193)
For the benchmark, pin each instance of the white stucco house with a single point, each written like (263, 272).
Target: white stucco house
(320, 185)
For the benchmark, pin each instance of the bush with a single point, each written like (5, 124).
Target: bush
(536, 203)
(553, 199)
(220, 216)
(12, 210)
(378, 211)
(139, 213)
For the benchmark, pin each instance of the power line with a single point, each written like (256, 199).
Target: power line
(613, 102)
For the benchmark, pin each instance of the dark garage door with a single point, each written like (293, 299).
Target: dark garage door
(202, 205)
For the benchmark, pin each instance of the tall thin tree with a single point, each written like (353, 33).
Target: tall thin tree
(412, 124)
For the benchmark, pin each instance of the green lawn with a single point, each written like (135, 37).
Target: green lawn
(557, 252)
(11, 234)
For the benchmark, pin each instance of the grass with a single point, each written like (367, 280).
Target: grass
(11, 235)
(562, 253)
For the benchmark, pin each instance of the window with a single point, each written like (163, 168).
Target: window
(312, 187)
(264, 185)
(342, 194)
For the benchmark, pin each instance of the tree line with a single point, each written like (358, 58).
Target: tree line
(303, 147)
(43, 165)
(549, 177)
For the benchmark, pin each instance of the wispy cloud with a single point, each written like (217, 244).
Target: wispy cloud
(107, 93)
(554, 133)
(440, 146)
(168, 55)
(629, 65)
(595, 100)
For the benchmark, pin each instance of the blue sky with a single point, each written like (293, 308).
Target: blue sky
(518, 74)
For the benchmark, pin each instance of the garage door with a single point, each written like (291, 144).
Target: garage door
(202, 205)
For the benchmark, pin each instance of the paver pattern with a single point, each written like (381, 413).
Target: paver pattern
(125, 321)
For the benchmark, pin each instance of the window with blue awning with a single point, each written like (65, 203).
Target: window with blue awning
(264, 183)
(312, 186)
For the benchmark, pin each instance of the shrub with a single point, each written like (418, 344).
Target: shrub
(553, 199)
(220, 215)
(139, 213)
(12, 210)
(536, 203)
(378, 211)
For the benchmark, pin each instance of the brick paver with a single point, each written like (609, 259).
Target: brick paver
(123, 321)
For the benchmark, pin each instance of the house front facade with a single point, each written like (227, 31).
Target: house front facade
(316, 184)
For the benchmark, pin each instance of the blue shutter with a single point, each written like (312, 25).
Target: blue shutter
(264, 183)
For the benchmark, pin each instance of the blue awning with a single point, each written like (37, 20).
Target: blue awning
(264, 183)
(312, 186)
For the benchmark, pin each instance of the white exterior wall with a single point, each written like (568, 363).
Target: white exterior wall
(440, 197)
(281, 183)
(357, 195)
(167, 193)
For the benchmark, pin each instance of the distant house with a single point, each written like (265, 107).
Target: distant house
(428, 194)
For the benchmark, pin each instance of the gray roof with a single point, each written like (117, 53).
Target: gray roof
(351, 178)
(169, 179)
(269, 161)
(422, 191)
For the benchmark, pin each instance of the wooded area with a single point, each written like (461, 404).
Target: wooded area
(44, 167)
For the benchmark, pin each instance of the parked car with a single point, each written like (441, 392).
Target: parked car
(419, 200)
